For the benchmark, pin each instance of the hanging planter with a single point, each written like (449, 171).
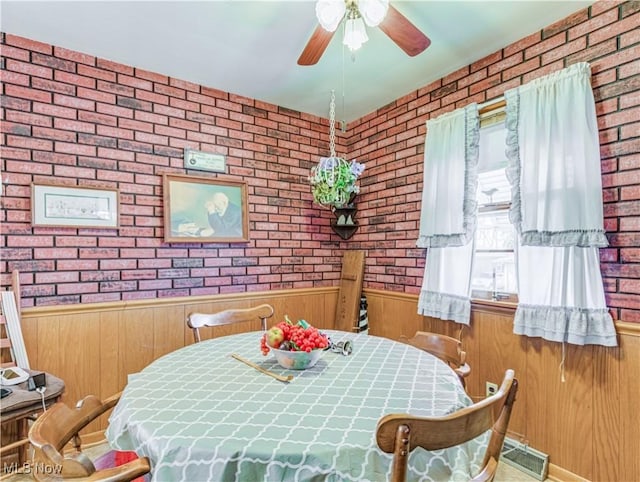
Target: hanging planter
(334, 180)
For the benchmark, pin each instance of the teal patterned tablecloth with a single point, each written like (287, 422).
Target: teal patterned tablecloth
(201, 415)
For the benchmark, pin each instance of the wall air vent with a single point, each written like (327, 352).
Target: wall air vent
(525, 458)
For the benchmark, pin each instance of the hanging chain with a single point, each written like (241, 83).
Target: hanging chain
(332, 124)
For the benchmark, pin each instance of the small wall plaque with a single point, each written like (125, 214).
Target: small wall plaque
(204, 161)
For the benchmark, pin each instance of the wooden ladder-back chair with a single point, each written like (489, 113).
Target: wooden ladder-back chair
(448, 349)
(59, 425)
(399, 434)
(199, 320)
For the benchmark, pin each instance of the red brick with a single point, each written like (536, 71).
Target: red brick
(630, 69)
(52, 86)
(74, 56)
(92, 94)
(69, 148)
(592, 24)
(114, 66)
(15, 53)
(623, 300)
(630, 162)
(27, 93)
(114, 110)
(52, 159)
(29, 143)
(606, 61)
(138, 83)
(630, 316)
(49, 61)
(151, 76)
(74, 172)
(76, 288)
(57, 277)
(54, 111)
(55, 253)
(7, 77)
(54, 134)
(630, 255)
(151, 97)
(76, 264)
(628, 24)
(630, 286)
(184, 85)
(170, 91)
(116, 89)
(564, 50)
(28, 44)
(29, 69)
(72, 125)
(96, 73)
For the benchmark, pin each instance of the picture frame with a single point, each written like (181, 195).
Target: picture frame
(74, 206)
(205, 210)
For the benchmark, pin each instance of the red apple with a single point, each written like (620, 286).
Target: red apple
(275, 336)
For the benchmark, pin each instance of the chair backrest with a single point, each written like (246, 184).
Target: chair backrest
(399, 434)
(52, 430)
(448, 349)
(198, 320)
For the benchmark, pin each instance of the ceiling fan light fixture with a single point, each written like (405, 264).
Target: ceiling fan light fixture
(330, 13)
(355, 33)
(373, 11)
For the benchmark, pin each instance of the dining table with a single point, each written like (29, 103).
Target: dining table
(200, 414)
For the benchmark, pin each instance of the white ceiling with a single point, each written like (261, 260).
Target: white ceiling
(251, 48)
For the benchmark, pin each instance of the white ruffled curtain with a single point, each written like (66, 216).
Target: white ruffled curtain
(448, 216)
(554, 171)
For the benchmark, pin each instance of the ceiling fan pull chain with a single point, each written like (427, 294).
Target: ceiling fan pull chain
(332, 124)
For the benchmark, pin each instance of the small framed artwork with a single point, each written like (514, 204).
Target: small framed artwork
(74, 206)
(201, 210)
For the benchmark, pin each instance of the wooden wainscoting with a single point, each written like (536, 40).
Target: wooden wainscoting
(94, 347)
(589, 424)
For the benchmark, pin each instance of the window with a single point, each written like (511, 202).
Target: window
(494, 265)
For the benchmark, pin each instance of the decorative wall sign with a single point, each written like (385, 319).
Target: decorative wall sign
(74, 206)
(201, 210)
(204, 161)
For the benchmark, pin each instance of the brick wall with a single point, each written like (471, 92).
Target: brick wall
(82, 120)
(391, 141)
(75, 119)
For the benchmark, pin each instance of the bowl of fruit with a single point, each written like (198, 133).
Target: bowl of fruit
(296, 346)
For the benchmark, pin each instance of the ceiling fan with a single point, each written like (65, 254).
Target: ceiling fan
(375, 13)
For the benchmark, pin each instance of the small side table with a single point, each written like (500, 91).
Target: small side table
(22, 405)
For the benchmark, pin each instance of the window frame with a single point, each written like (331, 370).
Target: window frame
(491, 115)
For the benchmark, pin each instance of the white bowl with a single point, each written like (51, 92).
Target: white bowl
(297, 360)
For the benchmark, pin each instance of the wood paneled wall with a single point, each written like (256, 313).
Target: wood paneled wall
(587, 424)
(94, 347)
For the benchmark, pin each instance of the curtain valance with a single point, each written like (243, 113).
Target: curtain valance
(448, 215)
(554, 160)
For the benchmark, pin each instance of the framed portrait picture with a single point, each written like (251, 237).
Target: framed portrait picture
(74, 206)
(201, 210)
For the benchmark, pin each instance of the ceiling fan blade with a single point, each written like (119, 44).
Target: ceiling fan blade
(315, 46)
(406, 36)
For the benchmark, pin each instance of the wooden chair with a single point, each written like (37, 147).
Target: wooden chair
(399, 434)
(198, 320)
(448, 349)
(59, 425)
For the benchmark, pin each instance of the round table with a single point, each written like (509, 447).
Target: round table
(201, 415)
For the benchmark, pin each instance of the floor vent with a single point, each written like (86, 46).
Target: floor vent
(525, 458)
